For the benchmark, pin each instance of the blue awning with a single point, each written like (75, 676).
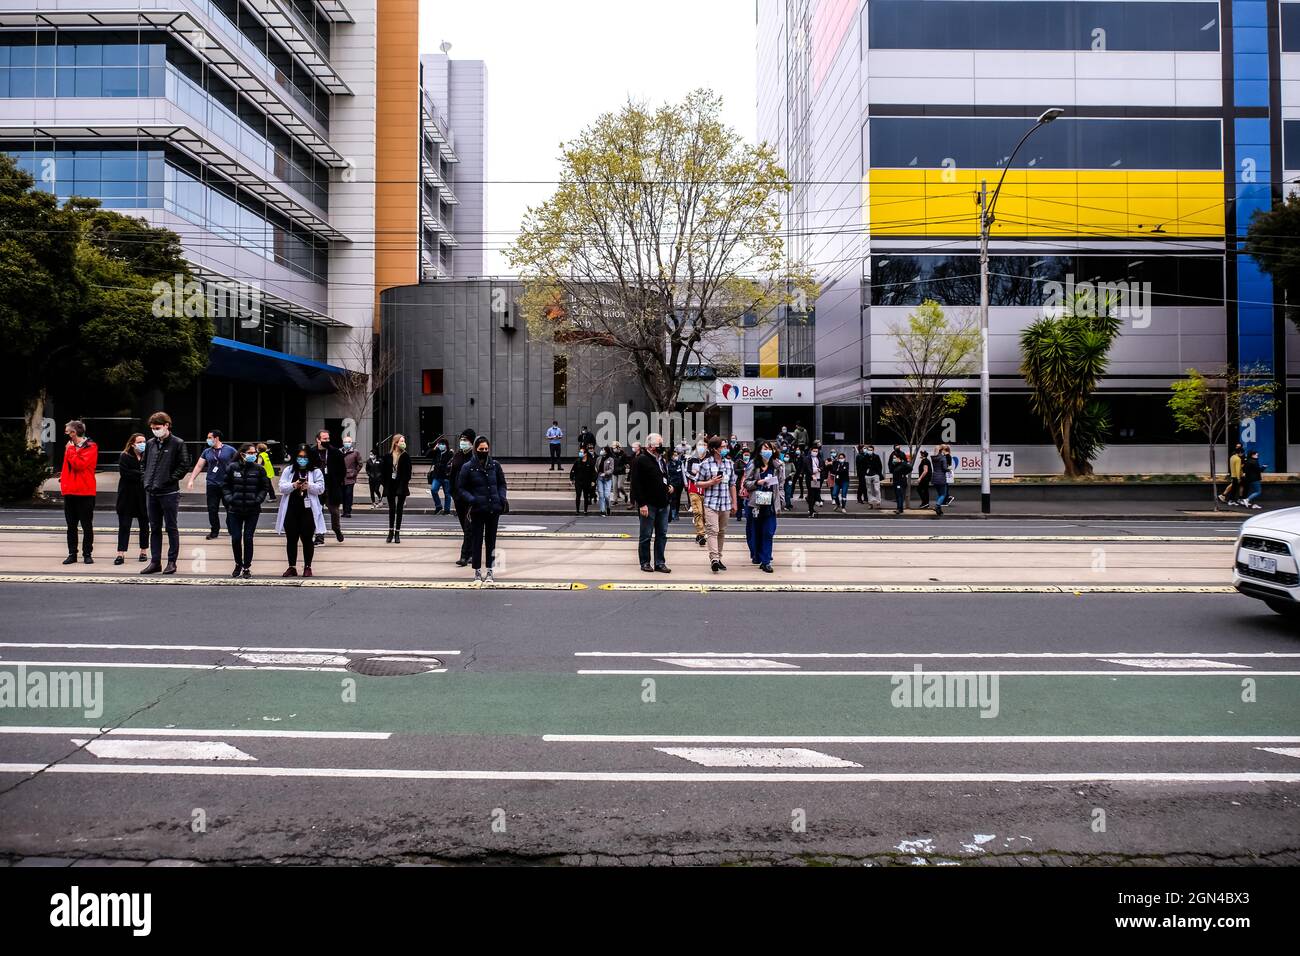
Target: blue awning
(252, 363)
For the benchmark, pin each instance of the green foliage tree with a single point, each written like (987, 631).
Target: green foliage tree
(932, 352)
(23, 467)
(1271, 241)
(1062, 359)
(1210, 405)
(663, 236)
(78, 300)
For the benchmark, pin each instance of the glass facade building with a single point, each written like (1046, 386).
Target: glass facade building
(1181, 122)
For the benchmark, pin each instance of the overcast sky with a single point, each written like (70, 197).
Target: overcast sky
(554, 65)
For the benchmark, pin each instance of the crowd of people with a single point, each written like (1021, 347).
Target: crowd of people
(318, 479)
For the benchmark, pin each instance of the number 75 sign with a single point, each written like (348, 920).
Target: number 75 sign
(966, 464)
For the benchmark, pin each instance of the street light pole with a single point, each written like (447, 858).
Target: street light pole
(987, 206)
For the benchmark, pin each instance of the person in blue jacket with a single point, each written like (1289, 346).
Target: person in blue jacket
(481, 488)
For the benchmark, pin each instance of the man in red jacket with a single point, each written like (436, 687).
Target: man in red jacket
(77, 485)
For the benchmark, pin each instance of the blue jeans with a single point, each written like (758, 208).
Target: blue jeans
(655, 523)
(242, 528)
(761, 530)
(1256, 488)
(443, 485)
(604, 488)
(840, 493)
(940, 494)
(789, 493)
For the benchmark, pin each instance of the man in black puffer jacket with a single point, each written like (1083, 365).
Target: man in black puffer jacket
(166, 462)
(243, 490)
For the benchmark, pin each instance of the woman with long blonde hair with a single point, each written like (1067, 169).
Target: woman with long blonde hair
(395, 474)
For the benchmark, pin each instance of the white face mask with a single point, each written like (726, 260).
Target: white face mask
(700, 449)
(158, 432)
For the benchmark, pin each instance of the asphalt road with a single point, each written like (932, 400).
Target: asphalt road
(642, 727)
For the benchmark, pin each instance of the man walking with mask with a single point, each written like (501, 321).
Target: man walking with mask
(464, 452)
(716, 480)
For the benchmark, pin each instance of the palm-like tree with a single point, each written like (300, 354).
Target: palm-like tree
(1062, 359)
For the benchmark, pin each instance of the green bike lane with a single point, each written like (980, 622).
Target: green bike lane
(535, 704)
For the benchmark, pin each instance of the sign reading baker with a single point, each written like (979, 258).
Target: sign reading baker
(763, 391)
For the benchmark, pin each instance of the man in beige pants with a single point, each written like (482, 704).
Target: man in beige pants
(716, 480)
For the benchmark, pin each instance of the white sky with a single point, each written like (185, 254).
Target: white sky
(554, 65)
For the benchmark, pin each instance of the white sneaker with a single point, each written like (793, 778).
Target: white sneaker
(1256, 507)
(478, 575)
(487, 579)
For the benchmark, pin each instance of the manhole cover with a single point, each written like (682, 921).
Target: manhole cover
(393, 666)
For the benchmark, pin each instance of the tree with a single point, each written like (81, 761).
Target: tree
(79, 298)
(1270, 241)
(369, 369)
(23, 468)
(663, 235)
(1210, 405)
(932, 353)
(1062, 359)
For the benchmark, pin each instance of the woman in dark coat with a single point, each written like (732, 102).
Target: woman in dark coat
(130, 498)
(395, 474)
(481, 487)
(583, 476)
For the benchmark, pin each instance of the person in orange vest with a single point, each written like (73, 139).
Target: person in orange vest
(77, 485)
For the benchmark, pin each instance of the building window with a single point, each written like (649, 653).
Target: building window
(1042, 25)
(431, 381)
(561, 382)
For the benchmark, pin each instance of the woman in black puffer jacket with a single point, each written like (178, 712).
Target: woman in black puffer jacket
(244, 489)
(130, 498)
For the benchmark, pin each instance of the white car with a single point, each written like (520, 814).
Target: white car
(1265, 565)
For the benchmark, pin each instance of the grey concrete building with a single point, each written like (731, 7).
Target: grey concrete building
(465, 360)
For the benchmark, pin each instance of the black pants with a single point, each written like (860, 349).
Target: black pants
(334, 502)
(348, 492)
(814, 498)
(582, 498)
(481, 526)
(462, 515)
(799, 485)
(124, 522)
(241, 528)
(299, 527)
(80, 510)
(162, 511)
(923, 491)
(900, 495)
(395, 505)
(862, 488)
(555, 458)
(214, 507)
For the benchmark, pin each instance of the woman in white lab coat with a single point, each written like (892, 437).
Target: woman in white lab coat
(299, 518)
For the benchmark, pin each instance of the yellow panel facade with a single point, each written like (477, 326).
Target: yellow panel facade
(769, 357)
(1047, 202)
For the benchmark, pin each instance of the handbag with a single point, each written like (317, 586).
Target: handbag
(762, 499)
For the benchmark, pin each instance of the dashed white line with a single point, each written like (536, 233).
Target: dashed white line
(756, 757)
(121, 749)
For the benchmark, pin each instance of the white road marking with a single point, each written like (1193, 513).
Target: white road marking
(753, 663)
(644, 672)
(190, 732)
(1283, 751)
(318, 659)
(114, 749)
(918, 739)
(756, 757)
(224, 647)
(1169, 662)
(907, 655)
(577, 776)
(167, 665)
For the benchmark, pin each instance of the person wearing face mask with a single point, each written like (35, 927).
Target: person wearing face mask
(300, 517)
(716, 479)
(375, 478)
(620, 472)
(900, 469)
(675, 483)
(214, 460)
(924, 475)
(941, 470)
(330, 460)
(693, 494)
(583, 478)
(605, 480)
(788, 466)
(439, 479)
(482, 486)
(870, 473)
(648, 483)
(130, 498)
(166, 462)
(77, 486)
(763, 480)
(464, 452)
(741, 464)
(351, 468)
(245, 488)
(396, 477)
(815, 471)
